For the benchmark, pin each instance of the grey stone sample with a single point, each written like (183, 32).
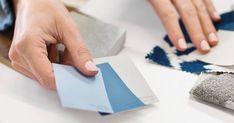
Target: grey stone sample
(102, 39)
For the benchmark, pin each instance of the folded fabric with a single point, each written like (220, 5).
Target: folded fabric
(215, 88)
(168, 56)
(117, 87)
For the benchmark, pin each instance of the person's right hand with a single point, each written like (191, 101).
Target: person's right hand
(41, 22)
(197, 16)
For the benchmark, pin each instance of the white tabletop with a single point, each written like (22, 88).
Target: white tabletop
(23, 100)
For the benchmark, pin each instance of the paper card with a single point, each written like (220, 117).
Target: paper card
(111, 91)
(78, 91)
(220, 54)
(131, 77)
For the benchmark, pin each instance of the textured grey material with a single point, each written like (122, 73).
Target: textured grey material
(101, 38)
(217, 89)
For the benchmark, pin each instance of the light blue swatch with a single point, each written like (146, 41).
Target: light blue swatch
(105, 92)
(80, 92)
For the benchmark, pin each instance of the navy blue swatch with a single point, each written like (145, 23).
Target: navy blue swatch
(159, 56)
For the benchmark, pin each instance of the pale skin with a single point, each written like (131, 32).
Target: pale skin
(42, 22)
(39, 22)
(198, 17)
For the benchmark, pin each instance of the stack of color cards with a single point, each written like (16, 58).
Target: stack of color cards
(117, 87)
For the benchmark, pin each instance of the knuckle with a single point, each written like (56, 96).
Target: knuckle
(82, 50)
(12, 54)
(22, 43)
(46, 80)
(201, 7)
(188, 11)
(168, 15)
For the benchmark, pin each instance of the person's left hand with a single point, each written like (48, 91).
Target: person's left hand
(197, 16)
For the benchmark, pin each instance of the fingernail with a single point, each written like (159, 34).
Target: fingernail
(216, 15)
(205, 46)
(91, 66)
(182, 43)
(213, 37)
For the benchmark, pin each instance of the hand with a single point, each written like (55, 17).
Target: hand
(197, 16)
(41, 22)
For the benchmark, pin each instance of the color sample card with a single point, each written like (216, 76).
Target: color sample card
(78, 91)
(107, 92)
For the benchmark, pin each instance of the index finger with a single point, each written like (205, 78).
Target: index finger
(80, 54)
(169, 18)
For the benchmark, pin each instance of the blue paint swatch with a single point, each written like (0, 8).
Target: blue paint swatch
(120, 96)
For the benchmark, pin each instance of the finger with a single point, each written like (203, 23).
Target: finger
(206, 22)
(40, 65)
(190, 18)
(80, 54)
(169, 19)
(212, 11)
(22, 70)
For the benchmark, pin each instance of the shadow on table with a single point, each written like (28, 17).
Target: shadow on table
(215, 111)
(133, 116)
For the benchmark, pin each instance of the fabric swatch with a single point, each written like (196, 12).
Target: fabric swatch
(167, 55)
(215, 88)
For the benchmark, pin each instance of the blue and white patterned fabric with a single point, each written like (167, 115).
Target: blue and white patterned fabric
(168, 56)
(6, 15)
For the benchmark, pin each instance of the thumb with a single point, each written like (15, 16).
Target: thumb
(80, 54)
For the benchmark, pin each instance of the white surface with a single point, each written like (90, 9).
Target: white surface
(220, 54)
(25, 101)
